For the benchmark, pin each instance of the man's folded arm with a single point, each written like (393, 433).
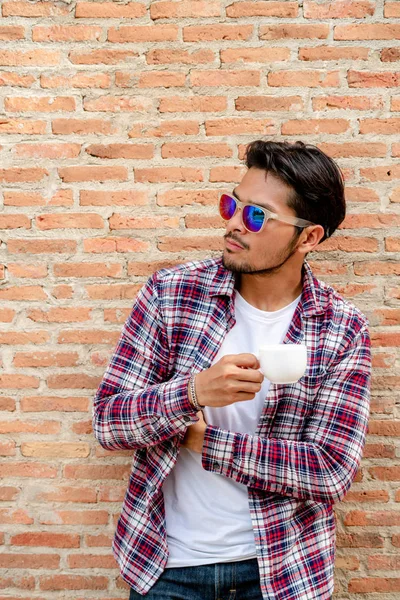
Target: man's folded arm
(138, 403)
(320, 467)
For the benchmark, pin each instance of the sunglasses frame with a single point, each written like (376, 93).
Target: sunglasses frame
(267, 214)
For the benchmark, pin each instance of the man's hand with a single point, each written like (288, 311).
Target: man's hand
(234, 378)
(194, 436)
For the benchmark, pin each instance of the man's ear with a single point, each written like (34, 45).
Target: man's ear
(310, 238)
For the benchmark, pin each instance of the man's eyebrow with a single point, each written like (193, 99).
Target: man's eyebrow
(267, 206)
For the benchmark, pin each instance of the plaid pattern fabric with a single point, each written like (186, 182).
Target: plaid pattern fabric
(302, 458)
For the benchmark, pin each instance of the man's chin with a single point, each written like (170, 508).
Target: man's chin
(235, 266)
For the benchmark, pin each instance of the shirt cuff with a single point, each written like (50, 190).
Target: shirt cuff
(218, 450)
(177, 403)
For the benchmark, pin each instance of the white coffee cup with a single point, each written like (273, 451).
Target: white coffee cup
(283, 363)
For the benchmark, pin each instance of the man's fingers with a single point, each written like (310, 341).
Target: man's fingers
(244, 360)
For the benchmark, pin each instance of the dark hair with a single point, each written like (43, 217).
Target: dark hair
(315, 178)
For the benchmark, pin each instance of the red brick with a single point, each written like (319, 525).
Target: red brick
(62, 292)
(102, 56)
(25, 8)
(392, 9)
(367, 31)
(314, 126)
(385, 473)
(82, 427)
(92, 173)
(110, 244)
(11, 32)
(46, 359)
(195, 150)
(193, 104)
(221, 78)
(348, 244)
(304, 78)
(149, 79)
(160, 56)
(54, 403)
(87, 270)
(28, 469)
(143, 33)
(328, 267)
(8, 78)
(66, 33)
(73, 381)
(7, 316)
(239, 125)
(164, 129)
(91, 561)
(369, 585)
(17, 581)
(350, 149)
(269, 103)
(377, 268)
(379, 450)
(78, 80)
(7, 448)
(67, 494)
(359, 540)
(256, 55)
(262, 9)
(392, 245)
(390, 54)
(7, 404)
(374, 79)
(23, 175)
(109, 10)
(60, 314)
(395, 195)
(45, 246)
(382, 404)
(333, 53)
(347, 102)
(24, 337)
(96, 471)
(386, 428)
(382, 126)
(73, 582)
(213, 32)
(111, 493)
(60, 198)
(26, 292)
(14, 221)
(129, 151)
(30, 58)
(168, 174)
(47, 151)
(339, 9)
(72, 220)
(55, 449)
(18, 516)
(227, 174)
(186, 9)
(113, 198)
(39, 104)
(367, 496)
(118, 104)
(386, 562)
(118, 221)
(83, 127)
(47, 539)
(382, 173)
(99, 540)
(293, 31)
(29, 561)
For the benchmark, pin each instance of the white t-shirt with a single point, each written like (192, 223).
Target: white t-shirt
(207, 514)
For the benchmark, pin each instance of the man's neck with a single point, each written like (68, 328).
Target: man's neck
(270, 292)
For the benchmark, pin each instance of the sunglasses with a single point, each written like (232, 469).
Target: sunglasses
(254, 217)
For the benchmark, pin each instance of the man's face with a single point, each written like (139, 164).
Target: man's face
(275, 245)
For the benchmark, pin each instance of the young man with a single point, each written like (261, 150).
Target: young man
(234, 501)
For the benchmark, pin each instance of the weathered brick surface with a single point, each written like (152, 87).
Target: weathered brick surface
(121, 123)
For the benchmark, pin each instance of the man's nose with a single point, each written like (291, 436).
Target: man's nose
(236, 222)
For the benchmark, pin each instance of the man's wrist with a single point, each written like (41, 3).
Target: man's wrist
(192, 394)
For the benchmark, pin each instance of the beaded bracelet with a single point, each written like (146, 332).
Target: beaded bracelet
(194, 400)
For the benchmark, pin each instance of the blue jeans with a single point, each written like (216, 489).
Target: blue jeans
(221, 581)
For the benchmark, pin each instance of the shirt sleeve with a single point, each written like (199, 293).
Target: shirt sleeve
(320, 467)
(138, 402)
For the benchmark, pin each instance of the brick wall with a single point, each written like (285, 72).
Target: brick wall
(121, 122)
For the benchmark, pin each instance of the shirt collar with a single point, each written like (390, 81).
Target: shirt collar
(313, 299)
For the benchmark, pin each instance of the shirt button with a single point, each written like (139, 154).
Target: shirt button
(152, 488)
(216, 465)
(186, 419)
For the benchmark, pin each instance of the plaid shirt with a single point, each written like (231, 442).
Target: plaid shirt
(302, 457)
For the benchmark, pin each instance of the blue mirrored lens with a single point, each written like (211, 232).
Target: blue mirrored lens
(253, 218)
